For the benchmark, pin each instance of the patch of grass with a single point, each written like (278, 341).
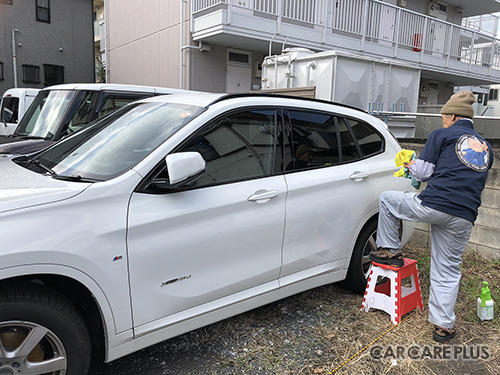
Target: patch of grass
(416, 330)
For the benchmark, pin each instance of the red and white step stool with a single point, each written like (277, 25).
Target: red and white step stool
(391, 296)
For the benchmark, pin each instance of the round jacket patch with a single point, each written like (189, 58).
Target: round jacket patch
(473, 152)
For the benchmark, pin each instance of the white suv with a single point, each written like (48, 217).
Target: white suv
(178, 211)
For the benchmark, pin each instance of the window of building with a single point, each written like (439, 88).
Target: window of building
(53, 74)
(493, 94)
(31, 74)
(43, 10)
(1, 71)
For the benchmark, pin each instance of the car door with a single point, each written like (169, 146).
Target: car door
(217, 240)
(328, 198)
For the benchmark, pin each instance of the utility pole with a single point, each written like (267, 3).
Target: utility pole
(14, 56)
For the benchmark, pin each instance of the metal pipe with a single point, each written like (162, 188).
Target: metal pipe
(398, 25)
(181, 43)
(365, 24)
(420, 114)
(289, 73)
(270, 44)
(106, 44)
(283, 45)
(310, 65)
(14, 56)
(276, 72)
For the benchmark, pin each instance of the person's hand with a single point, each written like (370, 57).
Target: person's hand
(407, 165)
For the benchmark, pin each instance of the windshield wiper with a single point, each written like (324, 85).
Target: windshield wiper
(38, 164)
(76, 178)
(32, 137)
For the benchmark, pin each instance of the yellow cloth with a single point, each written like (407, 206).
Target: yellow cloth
(403, 156)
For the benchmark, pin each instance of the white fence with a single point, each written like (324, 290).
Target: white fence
(374, 20)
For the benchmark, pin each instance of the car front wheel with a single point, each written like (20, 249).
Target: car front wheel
(41, 333)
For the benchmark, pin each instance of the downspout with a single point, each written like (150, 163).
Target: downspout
(14, 56)
(106, 40)
(181, 51)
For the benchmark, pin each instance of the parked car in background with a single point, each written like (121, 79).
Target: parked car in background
(177, 211)
(59, 110)
(14, 104)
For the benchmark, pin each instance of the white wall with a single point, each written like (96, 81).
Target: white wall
(144, 42)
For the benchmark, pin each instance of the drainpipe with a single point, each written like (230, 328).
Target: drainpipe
(14, 56)
(200, 47)
(310, 66)
(181, 51)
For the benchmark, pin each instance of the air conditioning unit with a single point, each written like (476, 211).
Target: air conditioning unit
(437, 10)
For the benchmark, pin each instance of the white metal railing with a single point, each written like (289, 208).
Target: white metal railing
(485, 23)
(374, 20)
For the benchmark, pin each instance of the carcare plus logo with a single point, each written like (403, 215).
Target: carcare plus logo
(429, 352)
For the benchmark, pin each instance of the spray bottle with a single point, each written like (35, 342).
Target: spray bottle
(485, 303)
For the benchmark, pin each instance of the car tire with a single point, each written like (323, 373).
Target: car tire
(360, 265)
(45, 330)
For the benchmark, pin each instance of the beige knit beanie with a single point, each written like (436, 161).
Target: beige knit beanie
(460, 104)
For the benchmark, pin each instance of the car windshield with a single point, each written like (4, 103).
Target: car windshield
(44, 115)
(8, 112)
(114, 144)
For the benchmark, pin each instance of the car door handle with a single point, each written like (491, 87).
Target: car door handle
(263, 196)
(359, 176)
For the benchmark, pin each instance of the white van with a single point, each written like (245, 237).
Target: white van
(60, 110)
(15, 102)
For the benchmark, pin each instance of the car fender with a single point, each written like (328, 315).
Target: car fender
(111, 338)
(371, 214)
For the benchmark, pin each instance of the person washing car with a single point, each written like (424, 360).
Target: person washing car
(455, 163)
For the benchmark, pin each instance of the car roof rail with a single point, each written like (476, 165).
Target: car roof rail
(272, 95)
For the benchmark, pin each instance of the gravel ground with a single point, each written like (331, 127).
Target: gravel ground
(316, 331)
(261, 341)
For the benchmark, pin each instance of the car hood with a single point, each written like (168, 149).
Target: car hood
(16, 146)
(9, 139)
(21, 188)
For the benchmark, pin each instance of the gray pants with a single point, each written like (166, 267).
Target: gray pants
(449, 235)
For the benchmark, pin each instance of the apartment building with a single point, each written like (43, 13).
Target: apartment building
(45, 42)
(219, 45)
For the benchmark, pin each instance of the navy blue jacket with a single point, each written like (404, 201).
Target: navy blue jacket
(462, 159)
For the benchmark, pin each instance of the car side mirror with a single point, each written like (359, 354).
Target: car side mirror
(184, 167)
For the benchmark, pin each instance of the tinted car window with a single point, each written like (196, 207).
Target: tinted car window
(9, 109)
(349, 149)
(313, 140)
(369, 140)
(237, 146)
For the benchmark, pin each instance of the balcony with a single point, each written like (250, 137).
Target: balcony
(371, 28)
